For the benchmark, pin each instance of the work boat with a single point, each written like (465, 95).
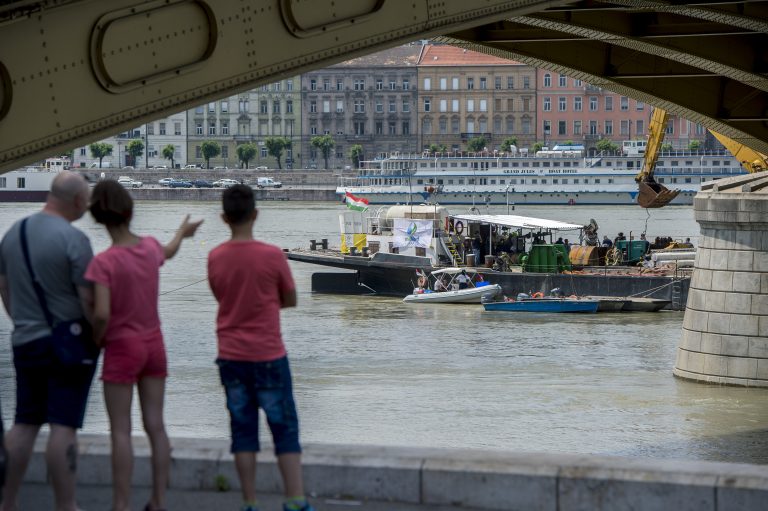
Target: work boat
(563, 175)
(31, 184)
(442, 286)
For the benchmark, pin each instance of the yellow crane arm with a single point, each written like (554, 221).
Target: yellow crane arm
(656, 129)
(750, 159)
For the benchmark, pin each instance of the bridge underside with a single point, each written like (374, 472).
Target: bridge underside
(74, 71)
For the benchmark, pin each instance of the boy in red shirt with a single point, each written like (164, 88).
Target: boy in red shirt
(252, 282)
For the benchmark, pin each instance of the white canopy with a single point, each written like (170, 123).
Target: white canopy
(519, 222)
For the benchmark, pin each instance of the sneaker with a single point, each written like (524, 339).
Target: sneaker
(306, 507)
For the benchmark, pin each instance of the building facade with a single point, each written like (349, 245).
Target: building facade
(464, 94)
(368, 101)
(272, 110)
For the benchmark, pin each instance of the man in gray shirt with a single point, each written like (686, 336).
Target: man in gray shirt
(46, 390)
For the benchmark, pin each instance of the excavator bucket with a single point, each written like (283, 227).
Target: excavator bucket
(654, 195)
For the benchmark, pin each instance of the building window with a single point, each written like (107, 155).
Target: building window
(497, 83)
(211, 107)
(427, 83)
(426, 126)
(313, 84)
(21, 182)
(263, 108)
(624, 127)
(406, 84)
(670, 128)
(454, 105)
(497, 125)
(593, 127)
(406, 127)
(177, 128)
(561, 104)
(379, 84)
(313, 107)
(339, 85)
(547, 104)
(379, 127)
(562, 128)
(593, 103)
(211, 129)
(577, 104)
(443, 124)
(510, 82)
(199, 128)
(547, 80)
(576, 82)
(289, 85)
(162, 128)
(224, 128)
(483, 105)
(624, 103)
(242, 106)
(443, 83)
(326, 106)
(609, 103)
(359, 84)
(577, 127)
(392, 84)
(275, 107)
(562, 79)
(263, 152)
(199, 110)
(359, 106)
(339, 106)
(454, 125)
(151, 128)
(379, 106)
(510, 125)
(526, 82)
(392, 107)
(406, 106)
(470, 83)
(470, 105)
(443, 105)
(640, 105)
(483, 83)
(640, 128)
(392, 128)
(198, 152)
(225, 151)
(83, 151)
(526, 126)
(289, 107)
(609, 127)
(427, 104)
(313, 130)
(224, 106)
(359, 128)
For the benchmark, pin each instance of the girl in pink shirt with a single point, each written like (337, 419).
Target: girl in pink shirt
(127, 324)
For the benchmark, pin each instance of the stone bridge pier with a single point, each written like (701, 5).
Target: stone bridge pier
(725, 329)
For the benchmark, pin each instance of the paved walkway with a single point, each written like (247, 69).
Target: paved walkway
(39, 497)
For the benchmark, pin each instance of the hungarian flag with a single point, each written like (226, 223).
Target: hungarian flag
(356, 203)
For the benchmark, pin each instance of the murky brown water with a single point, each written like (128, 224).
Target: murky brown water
(376, 371)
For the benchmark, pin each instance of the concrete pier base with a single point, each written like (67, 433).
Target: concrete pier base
(725, 329)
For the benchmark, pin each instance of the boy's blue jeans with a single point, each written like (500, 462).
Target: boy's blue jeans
(266, 385)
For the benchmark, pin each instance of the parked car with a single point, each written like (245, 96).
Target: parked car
(202, 183)
(220, 168)
(268, 182)
(128, 167)
(191, 166)
(262, 167)
(225, 183)
(160, 167)
(128, 182)
(180, 183)
(166, 181)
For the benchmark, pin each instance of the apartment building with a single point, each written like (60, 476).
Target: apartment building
(370, 101)
(465, 94)
(155, 135)
(272, 110)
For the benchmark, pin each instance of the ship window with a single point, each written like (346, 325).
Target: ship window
(534, 181)
(565, 181)
(515, 164)
(597, 181)
(608, 163)
(522, 181)
(715, 163)
(661, 180)
(674, 180)
(554, 181)
(439, 181)
(675, 163)
(502, 181)
(505, 164)
(450, 181)
(470, 181)
(525, 164)
(461, 181)
(493, 165)
(586, 181)
(545, 164)
(688, 163)
(687, 179)
(21, 182)
(575, 181)
(421, 251)
(2, 182)
(610, 180)
(535, 164)
(556, 164)
(543, 181)
(566, 164)
(630, 164)
(493, 181)
(419, 181)
(454, 165)
(513, 181)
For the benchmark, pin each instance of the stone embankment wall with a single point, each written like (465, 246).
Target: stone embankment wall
(448, 478)
(725, 329)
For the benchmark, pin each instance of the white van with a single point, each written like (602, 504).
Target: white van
(268, 182)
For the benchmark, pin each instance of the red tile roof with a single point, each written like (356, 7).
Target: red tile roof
(445, 55)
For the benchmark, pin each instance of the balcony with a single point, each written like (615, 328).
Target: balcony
(468, 135)
(359, 138)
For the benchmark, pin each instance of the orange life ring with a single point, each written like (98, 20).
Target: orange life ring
(537, 294)
(459, 227)
(422, 281)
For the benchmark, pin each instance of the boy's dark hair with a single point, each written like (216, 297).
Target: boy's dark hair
(111, 204)
(238, 203)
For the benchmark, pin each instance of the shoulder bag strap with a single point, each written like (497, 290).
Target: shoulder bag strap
(35, 284)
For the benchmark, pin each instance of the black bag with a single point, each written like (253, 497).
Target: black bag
(73, 343)
(72, 340)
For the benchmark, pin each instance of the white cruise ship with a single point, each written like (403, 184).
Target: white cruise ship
(559, 176)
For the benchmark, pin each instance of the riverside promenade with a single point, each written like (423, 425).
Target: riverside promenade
(345, 477)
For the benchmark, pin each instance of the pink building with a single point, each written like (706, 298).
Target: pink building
(571, 110)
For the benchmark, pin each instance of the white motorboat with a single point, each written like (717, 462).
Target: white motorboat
(444, 286)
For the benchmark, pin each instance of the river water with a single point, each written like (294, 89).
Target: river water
(372, 370)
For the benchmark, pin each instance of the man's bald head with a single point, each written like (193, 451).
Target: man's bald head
(68, 196)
